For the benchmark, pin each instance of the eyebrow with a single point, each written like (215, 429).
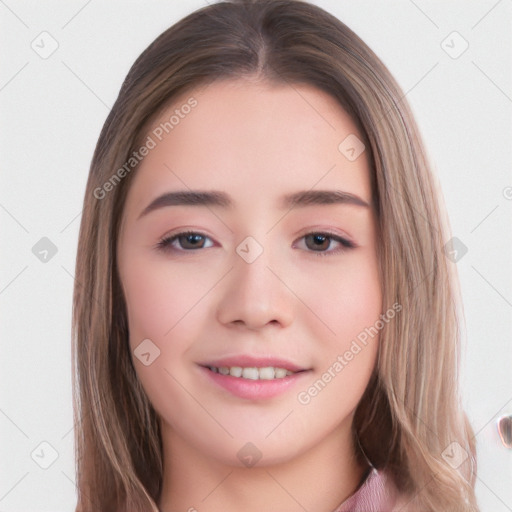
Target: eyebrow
(222, 200)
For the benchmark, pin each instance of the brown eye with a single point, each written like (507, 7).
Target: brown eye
(191, 241)
(324, 244)
(317, 241)
(187, 241)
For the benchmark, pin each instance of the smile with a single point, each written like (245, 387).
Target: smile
(252, 373)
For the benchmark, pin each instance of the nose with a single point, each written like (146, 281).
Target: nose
(256, 294)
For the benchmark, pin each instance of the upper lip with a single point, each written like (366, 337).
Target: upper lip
(246, 361)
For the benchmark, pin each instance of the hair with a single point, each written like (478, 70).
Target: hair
(411, 410)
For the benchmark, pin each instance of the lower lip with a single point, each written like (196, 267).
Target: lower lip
(254, 389)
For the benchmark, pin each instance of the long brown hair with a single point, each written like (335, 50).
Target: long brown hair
(411, 412)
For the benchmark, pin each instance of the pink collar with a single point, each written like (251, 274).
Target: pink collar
(377, 493)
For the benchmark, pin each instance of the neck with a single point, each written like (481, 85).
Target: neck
(319, 479)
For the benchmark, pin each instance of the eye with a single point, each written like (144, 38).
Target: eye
(185, 241)
(322, 243)
(318, 242)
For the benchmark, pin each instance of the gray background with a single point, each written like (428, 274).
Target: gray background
(52, 110)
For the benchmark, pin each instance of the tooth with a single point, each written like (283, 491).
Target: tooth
(267, 373)
(250, 373)
(280, 373)
(235, 371)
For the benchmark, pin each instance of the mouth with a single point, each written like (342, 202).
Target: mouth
(253, 378)
(253, 373)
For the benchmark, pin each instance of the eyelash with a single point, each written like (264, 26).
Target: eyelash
(164, 244)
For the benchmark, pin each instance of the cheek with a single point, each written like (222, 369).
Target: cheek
(360, 302)
(168, 306)
(165, 307)
(346, 298)
(159, 297)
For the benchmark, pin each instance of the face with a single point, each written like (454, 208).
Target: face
(247, 306)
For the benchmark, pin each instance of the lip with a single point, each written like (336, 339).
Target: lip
(253, 389)
(248, 389)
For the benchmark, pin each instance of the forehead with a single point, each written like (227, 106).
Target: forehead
(251, 138)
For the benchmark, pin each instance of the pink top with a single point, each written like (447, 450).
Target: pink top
(377, 493)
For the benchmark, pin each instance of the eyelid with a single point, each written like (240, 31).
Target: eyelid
(164, 243)
(328, 231)
(345, 242)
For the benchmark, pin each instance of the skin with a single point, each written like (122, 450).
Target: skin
(255, 142)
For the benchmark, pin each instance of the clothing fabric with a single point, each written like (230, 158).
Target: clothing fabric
(377, 493)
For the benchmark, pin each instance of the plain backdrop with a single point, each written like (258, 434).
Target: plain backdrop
(453, 60)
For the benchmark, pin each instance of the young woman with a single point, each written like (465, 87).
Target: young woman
(264, 318)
